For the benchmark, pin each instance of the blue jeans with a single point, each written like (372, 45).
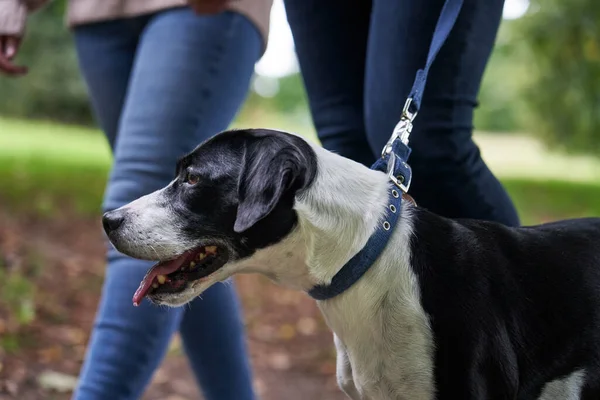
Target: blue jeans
(358, 65)
(159, 85)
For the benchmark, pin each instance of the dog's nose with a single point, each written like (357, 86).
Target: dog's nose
(112, 220)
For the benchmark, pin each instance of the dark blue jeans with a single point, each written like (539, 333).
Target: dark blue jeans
(359, 61)
(159, 85)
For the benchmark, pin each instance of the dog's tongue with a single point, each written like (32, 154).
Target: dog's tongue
(161, 268)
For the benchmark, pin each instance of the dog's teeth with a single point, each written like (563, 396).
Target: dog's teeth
(155, 285)
(161, 279)
(192, 264)
(210, 249)
(201, 256)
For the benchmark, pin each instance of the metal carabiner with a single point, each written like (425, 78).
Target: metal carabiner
(402, 129)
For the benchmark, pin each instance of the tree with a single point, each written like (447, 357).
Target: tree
(498, 98)
(562, 52)
(53, 89)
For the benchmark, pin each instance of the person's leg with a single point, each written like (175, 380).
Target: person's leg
(215, 62)
(189, 78)
(106, 52)
(449, 175)
(126, 343)
(213, 337)
(331, 41)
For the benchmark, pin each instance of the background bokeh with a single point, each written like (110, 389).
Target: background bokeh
(538, 126)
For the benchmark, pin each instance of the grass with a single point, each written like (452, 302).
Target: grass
(541, 201)
(520, 156)
(44, 164)
(52, 143)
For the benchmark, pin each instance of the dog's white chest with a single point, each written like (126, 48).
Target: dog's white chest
(384, 343)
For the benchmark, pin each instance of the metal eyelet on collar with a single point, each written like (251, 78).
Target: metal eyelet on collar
(386, 226)
(395, 193)
(392, 208)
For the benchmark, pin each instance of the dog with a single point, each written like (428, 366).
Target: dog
(451, 309)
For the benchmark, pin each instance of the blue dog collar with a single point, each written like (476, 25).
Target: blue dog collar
(353, 270)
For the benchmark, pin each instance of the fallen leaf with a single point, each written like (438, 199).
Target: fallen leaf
(50, 354)
(287, 331)
(57, 381)
(280, 361)
(307, 326)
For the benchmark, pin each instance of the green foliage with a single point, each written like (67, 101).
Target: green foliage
(562, 54)
(16, 295)
(53, 88)
(500, 108)
(289, 98)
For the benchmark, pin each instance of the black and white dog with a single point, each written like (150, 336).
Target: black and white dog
(451, 310)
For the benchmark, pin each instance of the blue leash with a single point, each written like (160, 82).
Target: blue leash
(394, 162)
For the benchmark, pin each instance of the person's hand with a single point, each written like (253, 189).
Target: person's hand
(208, 6)
(9, 46)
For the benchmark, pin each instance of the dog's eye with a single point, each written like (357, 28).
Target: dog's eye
(191, 178)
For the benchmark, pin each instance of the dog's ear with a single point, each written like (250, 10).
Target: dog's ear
(273, 172)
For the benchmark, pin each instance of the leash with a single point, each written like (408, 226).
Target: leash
(394, 162)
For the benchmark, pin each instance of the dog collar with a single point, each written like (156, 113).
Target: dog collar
(400, 176)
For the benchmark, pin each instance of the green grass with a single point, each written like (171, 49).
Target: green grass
(44, 164)
(542, 201)
(57, 144)
(520, 156)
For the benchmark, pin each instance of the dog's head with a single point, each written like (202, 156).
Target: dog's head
(232, 196)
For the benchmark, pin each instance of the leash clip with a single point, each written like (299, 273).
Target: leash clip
(402, 129)
(401, 132)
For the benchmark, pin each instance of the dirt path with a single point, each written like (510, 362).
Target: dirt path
(51, 272)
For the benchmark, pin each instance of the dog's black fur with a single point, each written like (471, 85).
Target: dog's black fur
(254, 193)
(511, 308)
